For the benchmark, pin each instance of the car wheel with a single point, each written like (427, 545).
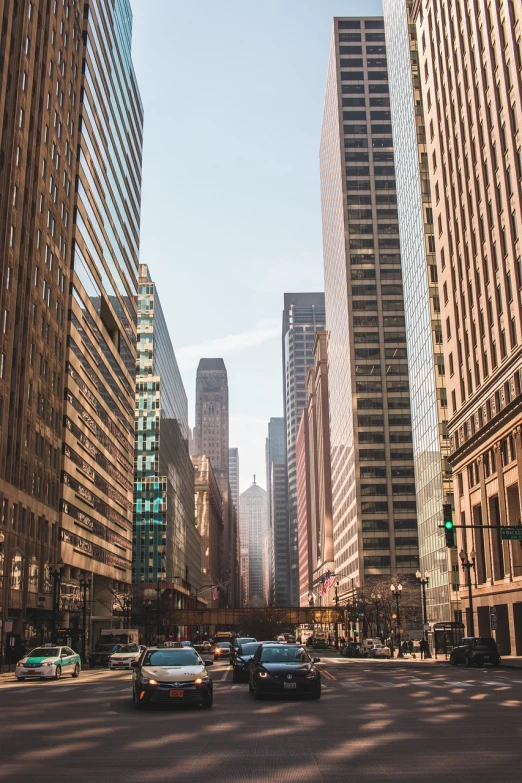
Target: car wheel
(316, 695)
(235, 678)
(208, 702)
(468, 661)
(452, 661)
(250, 688)
(21, 679)
(76, 672)
(58, 673)
(257, 694)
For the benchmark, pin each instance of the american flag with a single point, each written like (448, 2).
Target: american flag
(327, 582)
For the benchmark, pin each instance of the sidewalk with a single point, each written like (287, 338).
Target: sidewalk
(508, 661)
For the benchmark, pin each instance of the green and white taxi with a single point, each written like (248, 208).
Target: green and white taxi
(49, 663)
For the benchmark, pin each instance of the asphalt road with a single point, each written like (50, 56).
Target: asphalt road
(376, 721)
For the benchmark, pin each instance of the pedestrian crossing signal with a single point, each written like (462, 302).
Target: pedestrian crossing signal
(449, 528)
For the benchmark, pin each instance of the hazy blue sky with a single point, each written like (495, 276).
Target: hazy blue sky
(233, 93)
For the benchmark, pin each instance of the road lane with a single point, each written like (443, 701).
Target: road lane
(372, 724)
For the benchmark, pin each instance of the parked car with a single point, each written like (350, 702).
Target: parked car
(379, 651)
(101, 654)
(475, 651)
(351, 650)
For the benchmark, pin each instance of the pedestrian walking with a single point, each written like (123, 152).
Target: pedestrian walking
(410, 646)
(404, 647)
(423, 648)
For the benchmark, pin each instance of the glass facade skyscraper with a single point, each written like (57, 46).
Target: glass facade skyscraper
(167, 545)
(277, 509)
(429, 405)
(373, 489)
(303, 315)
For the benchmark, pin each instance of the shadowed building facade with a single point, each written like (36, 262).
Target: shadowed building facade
(277, 510)
(253, 537)
(303, 314)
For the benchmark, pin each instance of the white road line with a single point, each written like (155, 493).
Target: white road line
(225, 675)
(460, 684)
(351, 685)
(234, 687)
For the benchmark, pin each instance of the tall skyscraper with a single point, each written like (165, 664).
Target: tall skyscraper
(211, 430)
(97, 504)
(58, 176)
(304, 517)
(429, 404)
(303, 314)
(470, 60)
(373, 489)
(252, 525)
(233, 469)
(277, 509)
(167, 545)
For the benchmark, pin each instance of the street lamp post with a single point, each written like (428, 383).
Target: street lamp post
(85, 586)
(397, 592)
(377, 602)
(468, 562)
(56, 576)
(127, 614)
(424, 582)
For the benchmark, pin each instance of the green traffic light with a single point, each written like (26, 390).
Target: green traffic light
(448, 524)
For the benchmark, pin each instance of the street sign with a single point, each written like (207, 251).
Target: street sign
(511, 533)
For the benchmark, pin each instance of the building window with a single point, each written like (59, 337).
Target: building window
(17, 570)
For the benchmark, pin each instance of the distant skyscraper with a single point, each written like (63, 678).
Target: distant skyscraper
(209, 521)
(166, 541)
(374, 506)
(470, 60)
(303, 314)
(429, 402)
(277, 506)
(211, 430)
(233, 469)
(253, 528)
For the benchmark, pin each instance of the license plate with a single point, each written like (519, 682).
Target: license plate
(175, 694)
(290, 685)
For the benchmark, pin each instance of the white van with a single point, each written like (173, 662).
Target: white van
(367, 645)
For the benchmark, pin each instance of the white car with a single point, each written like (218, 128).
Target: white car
(380, 651)
(48, 663)
(123, 658)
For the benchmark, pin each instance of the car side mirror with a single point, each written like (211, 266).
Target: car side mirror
(316, 660)
(135, 665)
(209, 663)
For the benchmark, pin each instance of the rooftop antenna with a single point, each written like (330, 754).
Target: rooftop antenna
(254, 478)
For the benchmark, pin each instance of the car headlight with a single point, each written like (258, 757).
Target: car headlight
(264, 675)
(313, 674)
(201, 680)
(47, 663)
(20, 664)
(147, 681)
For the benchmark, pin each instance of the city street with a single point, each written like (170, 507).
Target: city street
(377, 720)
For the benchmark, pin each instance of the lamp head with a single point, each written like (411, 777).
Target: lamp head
(418, 574)
(462, 556)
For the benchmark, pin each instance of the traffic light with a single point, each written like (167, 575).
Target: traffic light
(449, 529)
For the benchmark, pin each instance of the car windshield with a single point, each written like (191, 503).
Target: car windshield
(249, 649)
(107, 647)
(129, 648)
(486, 643)
(178, 657)
(223, 644)
(42, 652)
(285, 654)
(245, 639)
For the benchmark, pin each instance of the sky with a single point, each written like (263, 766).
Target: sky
(233, 94)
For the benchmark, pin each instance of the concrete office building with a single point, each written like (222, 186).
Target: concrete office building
(67, 151)
(373, 489)
(277, 510)
(303, 314)
(321, 539)
(233, 469)
(167, 546)
(469, 67)
(211, 432)
(304, 521)
(429, 403)
(253, 529)
(209, 520)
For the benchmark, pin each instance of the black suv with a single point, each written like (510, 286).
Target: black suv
(101, 654)
(475, 651)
